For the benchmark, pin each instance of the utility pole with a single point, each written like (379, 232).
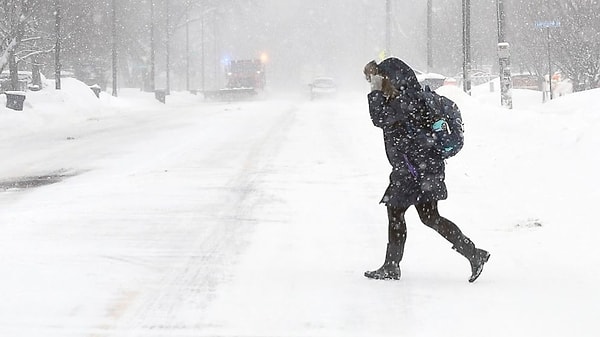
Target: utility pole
(168, 88)
(549, 63)
(57, 45)
(152, 47)
(547, 25)
(217, 63)
(429, 36)
(187, 49)
(202, 49)
(114, 49)
(466, 11)
(500, 19)
(388, 27)
(504, 59)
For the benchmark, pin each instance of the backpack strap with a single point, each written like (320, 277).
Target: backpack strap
(410, 166)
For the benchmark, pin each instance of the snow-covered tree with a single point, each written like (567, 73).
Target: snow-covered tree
(17, 34)
(574, 45)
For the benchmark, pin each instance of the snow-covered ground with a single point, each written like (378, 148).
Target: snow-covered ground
(259, 218)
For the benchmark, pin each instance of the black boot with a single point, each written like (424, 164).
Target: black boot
(391, 267)
(477, 257)
(480, 258)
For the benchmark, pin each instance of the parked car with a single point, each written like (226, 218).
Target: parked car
(24, 81)
(526, 81)
(477, 77)
(481, 77)
(322, 87)
(433, 80)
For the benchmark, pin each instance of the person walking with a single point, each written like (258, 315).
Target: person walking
(417, 176)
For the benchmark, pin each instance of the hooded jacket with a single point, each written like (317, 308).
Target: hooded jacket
(418, 170)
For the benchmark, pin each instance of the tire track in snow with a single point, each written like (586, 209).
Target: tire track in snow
(192, 276)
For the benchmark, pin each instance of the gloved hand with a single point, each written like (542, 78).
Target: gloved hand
(370, 69)
(376, 82)
(440, 131)
(440, 125)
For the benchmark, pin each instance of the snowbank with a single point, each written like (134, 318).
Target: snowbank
(49, 108)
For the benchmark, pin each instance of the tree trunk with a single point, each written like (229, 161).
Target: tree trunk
(14, 72)
(36, 77)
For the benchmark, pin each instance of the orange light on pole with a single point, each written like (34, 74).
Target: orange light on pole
(264, 57)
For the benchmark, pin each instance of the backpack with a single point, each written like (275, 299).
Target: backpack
(448, 127)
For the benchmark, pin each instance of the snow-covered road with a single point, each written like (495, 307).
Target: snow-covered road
(259, 218)
(159, 204)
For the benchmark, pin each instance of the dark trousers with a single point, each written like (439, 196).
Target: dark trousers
(428, 212)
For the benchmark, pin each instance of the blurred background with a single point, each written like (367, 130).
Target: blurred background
(187, 44)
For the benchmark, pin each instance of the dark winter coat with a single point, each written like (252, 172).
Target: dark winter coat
(417, 169)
